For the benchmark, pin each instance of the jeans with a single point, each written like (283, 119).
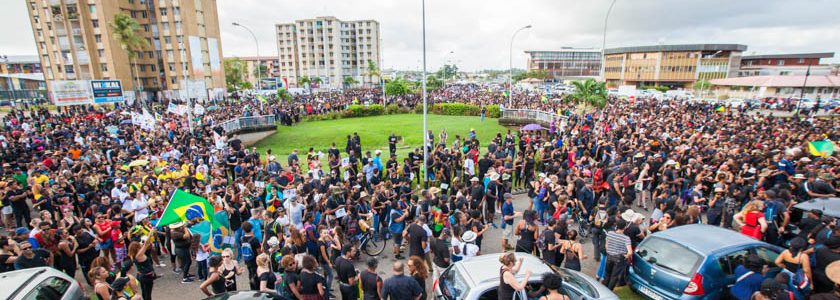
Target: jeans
(614, 271)
(348, 291)
(376, 225)
(146, 285)
(202, 269)
(328, 277)
(540, 207)
(186, 261)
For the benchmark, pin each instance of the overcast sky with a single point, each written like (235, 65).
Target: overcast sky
(479, 31)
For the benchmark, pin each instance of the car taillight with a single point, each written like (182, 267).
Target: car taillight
(695, 286)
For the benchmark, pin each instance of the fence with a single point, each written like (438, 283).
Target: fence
(248, 124)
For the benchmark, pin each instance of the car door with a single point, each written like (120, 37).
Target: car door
(727, 263)
(769, 256)
(51, 288)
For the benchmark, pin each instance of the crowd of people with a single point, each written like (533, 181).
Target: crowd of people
(82, 190)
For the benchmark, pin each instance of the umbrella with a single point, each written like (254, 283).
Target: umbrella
(821, 148)
(139, 162)
(531, 127)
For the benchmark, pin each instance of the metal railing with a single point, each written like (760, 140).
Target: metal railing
(531, 115)
(240, 124)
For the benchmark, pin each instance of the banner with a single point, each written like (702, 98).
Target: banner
(196, 57)
(106, 91)
(198, 109)
(268, 84)
(70, 92)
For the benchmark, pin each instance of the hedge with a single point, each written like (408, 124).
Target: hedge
(450, 109)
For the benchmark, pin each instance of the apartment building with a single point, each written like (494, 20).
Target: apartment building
(271, 64)
(74, 42)
(675, 66)
(329, 49)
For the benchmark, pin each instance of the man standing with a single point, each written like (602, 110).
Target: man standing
(417, 238)
(392, 144)
(182, 238)
(619, 250)
(250, 248)
(347, 276)
(371, 282)
(17, 197)
(508, 214)
(401, 287)
(32, 258)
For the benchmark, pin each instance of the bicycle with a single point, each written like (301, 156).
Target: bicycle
(370, 244)
(583, 226)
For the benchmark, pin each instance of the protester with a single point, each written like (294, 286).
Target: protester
(508, 285)
(400, 286)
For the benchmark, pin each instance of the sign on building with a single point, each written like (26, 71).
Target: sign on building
(106, 91)
(269, 84)
(70, 92)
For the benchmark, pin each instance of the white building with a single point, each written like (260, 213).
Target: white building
(329, 49)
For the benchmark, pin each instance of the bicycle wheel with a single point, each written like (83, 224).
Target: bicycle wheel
(583, 228)
(373, 247)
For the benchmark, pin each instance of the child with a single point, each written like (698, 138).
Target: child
(202, 253)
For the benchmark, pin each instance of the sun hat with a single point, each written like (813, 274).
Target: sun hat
(628, 215)
(474, 179)
(434, 190)
(176, 225)
(469, 236)
(273, 241)
(639, 155)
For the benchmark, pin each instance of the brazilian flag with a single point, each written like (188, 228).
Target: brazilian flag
(184, 207)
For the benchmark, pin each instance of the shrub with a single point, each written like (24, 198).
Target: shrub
(493, 111)
(355, 111)
(456, 109)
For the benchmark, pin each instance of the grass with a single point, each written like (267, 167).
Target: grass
(625, 293)
(374, 132)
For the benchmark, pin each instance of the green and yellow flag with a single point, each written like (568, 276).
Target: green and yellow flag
(822, 148)
(184, 207)
(720, 109)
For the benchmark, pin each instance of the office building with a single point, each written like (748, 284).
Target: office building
(566, 63)
(778, 86)
(785, 64)
(674, 66)
(329, 49)
(75, 42)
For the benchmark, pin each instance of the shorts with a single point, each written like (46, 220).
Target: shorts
(507, 233)
(7, 210)
(105, 245)
(397, 237)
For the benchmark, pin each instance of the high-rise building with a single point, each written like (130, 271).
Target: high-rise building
(329, 49)
(271, 64)
(75, 41)
(566, 63)
(674, 66)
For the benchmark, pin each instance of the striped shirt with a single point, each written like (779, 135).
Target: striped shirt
(617, 243)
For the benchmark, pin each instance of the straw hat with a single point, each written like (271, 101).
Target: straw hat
(469, 236)
(176, 225)
(363, 195)
(474, 179)
(434, 190)
(639, 155)
(628, 215)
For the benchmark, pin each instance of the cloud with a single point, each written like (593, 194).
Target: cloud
(478, 32)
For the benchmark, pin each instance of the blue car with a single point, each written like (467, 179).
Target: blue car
(693, 262)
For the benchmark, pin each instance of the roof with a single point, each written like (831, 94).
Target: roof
(685, 47)
(829, 206)
(705, 238)
(19, 59)
(25, 76)
(780, 81)
(565, 49)
(791, 55)
(486, 267)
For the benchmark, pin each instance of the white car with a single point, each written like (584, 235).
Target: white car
(39, 283)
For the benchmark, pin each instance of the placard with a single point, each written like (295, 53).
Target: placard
(106, 91)
(70, 92)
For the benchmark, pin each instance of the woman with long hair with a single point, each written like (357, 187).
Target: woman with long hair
(528, 231)
(751, 219)
(101, 288)
(229, 270)
(214, 277)
(417, 269)
(104, 262)
(795, 258)
(507, 276)
(295, 242)
(311, 283)
(103, 228)
(143, 263)
(554, 284)
(572, 251)
(265, 276)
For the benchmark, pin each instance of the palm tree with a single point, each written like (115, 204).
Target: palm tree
(304, 81)
(589, 94)
(372, 70)
(316, 80)
(124, 30)
(349, 81)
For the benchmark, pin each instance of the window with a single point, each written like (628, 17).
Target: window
(51, 288)
(801, 61)
(142, 68)
(103, 67)
(729, 262)
(671, 256)
(781, 62)
(769, 256)
(92, 9)
(95, 23)
(163, 12)
(98, 38)
(146, 27)
(133, 14)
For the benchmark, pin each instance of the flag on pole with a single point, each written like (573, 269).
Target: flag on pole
(219, 236)
(544, 98)
(720, 109)
(507, 93)
(821, 148)
(184, 207)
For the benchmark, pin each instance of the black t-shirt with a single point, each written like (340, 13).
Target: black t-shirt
(344, 269)
(180, 239)
(290, 279)
(20, 204)
(441, 252)
(369, 284)
(38, 260)
(309, 283)
(5, 267)
(269, 278)
(633, 231)
(255, 245)
(416, 236)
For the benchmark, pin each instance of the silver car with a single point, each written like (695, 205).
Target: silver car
(39, 283)
(478, 278)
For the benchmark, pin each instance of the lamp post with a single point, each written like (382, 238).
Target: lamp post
(510, 71)
(259, 59)
(425, 108)
(604, 45)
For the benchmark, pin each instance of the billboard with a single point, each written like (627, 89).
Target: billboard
(106, 91)
(270, 84)
(70, 92)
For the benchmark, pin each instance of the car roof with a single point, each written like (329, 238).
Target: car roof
(486, 267)
(829, 206)
(707, 239)
(21, 278)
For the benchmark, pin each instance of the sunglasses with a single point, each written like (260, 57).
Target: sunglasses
(24, 249)
(225, 256)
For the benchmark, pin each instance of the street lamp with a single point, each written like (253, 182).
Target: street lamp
(510, 71)
(259, 59)
(604, 45)
(425, 107)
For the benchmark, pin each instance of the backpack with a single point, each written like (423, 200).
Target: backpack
(245, 249)
(600, 219)
(541, 241)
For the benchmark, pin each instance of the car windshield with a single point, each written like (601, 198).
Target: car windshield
(577, 282)
(669, 255)
(452, 284)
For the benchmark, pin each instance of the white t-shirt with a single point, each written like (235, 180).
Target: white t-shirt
(468, 251)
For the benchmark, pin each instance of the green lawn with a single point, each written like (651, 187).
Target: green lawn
(625, 293)
(374, 132)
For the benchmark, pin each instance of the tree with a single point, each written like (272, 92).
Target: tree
(304, 81)
(349, 81)
(433, 83)
(234, 71)
(447, 72)
(537, 74)
(316, 80)
(702, 85)
(372, 70)
(283, 94)
(397, 87)
(589, 95)
(261, 70)
(124, 30)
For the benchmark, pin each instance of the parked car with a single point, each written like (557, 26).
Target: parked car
(40, 283)
(735, 102)
(478, 278)
(245, 295)
(693, 262)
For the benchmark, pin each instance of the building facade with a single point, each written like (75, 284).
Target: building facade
(566, 63)
(674, 66)
(778, 86)
(19, 64)
(75, 42)
(785, 64)
(329, 49)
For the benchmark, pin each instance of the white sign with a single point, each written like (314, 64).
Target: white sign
(70, 92)
(198, 109)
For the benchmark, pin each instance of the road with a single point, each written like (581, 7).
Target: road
(169, 287)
